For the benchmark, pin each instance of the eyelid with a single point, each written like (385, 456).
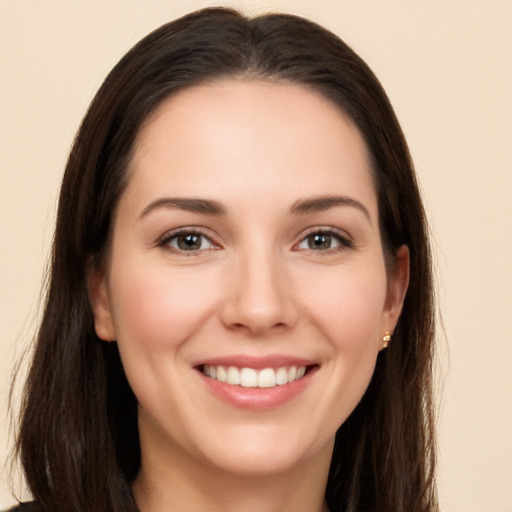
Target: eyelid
(346, 240)
(163, 241)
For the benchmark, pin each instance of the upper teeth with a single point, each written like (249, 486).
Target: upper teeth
(251, 378)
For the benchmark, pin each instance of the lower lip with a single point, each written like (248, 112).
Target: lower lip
(257, 398)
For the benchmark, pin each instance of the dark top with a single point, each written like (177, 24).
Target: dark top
(24, 507)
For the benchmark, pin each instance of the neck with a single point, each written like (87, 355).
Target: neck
(165, 485)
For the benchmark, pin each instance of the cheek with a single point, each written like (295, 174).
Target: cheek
(350, 318)
(157, 307)
(348, 307)
(345, 307)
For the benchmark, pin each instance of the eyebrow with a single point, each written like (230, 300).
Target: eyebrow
(209, 207)
(204, 206)
(322, 203)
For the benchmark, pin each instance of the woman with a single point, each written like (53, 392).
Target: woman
(240, 309)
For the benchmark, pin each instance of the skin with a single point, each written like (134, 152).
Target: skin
(256, 286)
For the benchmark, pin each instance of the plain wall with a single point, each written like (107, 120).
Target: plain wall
(446, 67)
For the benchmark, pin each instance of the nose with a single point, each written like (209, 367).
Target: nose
(259, 296)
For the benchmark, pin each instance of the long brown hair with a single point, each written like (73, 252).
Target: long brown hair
(78, 439)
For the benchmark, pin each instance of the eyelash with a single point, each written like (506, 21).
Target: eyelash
(166, 240)
(345, 242)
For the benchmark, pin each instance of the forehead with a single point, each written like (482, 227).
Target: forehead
(237, 135)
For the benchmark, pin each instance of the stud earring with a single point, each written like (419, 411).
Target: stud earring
(386, 339)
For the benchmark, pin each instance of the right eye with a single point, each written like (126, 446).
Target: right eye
(187, 241)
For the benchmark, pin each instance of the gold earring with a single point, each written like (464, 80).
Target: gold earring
(386, 339)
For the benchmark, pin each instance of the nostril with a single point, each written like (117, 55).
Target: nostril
(256, 328)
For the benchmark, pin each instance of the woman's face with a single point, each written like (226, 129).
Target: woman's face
(246, 286)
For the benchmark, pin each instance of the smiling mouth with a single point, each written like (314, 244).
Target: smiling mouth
(252, 378)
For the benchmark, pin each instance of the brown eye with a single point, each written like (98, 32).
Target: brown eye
(188, 242)
(325, 241)
(319, 241)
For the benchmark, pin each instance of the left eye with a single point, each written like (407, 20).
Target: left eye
(188, 242)
(322, 241)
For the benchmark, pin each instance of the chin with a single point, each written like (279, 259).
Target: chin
(257, 465)
(263, 451)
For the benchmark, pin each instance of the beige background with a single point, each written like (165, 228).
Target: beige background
(446, 66)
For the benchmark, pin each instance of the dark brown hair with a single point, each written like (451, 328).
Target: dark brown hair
(78, 439)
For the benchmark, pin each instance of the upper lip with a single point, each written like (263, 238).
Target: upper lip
(256, 362)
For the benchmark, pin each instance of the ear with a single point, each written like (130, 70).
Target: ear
(398, 281)
(100, 304)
